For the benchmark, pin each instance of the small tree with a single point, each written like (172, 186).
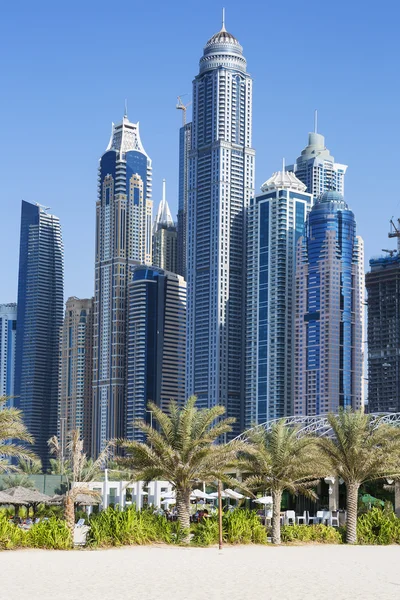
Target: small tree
(280, 459)
(183, 451)
(360, 450)
(12, 428)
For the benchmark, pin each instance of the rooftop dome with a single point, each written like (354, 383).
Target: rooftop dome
(223, 50)
(223, 37)
(331, 196)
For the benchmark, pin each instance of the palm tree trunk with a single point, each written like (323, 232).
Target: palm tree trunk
(276, 516)
(183, 509)
(69, 513)
(351, 521)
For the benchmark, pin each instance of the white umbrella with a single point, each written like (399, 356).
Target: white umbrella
(168, 501)
(264, 500)
(215, 495)
(200, 494)
(232, 494)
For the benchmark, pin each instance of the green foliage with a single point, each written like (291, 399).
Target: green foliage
(113, 527)
(238, 527)
(10, 535)
(310, 533)
(378, 527)
(52, 534)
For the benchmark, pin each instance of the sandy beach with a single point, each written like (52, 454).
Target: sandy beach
(168, 573)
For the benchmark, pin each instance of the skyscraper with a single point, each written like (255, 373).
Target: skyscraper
(76, 370)
(221, 183)
(164, 237)
(383, 287)
(317, 169)
(123, 239)
(276, 220)
(39, 320)
(185, 143)
(8, 330)
(329, 310)
(156, 342)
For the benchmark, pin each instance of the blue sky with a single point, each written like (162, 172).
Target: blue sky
(66, 69)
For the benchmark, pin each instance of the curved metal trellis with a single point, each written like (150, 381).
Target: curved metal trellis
(319, 425)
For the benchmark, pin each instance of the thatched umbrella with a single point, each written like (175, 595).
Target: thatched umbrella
(26, 497)
(81, 499)
(5, 498)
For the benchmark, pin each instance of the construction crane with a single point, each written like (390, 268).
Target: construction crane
(390, 252)
(395, 232)
(183, 108)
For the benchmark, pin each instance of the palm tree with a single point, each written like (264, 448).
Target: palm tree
(15, 480)
(12, 428)
(360, 451)
(83, 470)
(182, 451)
(30, 467)
(279, 459)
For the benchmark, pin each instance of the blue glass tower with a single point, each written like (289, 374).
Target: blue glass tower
(276, 221)
(123, 239)
(8, 327)
(185, 140)
(39, 320)
(329, 310)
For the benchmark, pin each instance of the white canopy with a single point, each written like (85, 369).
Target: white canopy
(200, 494)
(232, 494)
(264, 500)
(215, 494)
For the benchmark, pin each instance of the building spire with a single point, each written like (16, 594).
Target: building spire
(315, 121)
(223, 20)
(164, 191)
(126, 108)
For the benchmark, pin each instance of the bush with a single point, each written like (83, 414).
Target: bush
(52, 534)
(238, 527)
(11, 536)
(310, 533)
(378, 527)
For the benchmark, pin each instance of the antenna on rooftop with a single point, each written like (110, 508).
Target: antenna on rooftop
(126, 108)
(223, 20)
(315, 121)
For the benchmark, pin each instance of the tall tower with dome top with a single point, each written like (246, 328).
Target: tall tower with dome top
(220, 185)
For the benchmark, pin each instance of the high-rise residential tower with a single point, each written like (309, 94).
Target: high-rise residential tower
(8, 330)
(39, 320)
(221, 183)
(329, 310)
(165, 237)
(317, 168)
(276, 220)
(185, 142)
(123, 239)
(383, 288)
(156, 344)
(76, 370)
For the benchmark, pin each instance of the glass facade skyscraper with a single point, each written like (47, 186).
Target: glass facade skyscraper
(276, 220)
(221, 183)
(156, 343)
(165, 237)
(8, 331)
(317, 169)
(383, 288)
(185, 141)
(39, 320)
(329, 311)
(123, 240)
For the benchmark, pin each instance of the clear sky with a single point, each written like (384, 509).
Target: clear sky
(67, 67)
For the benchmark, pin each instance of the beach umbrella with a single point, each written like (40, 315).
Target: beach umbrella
(5, 498)
(232, 494)
(200, 494)
(23, 496)
(267, 500)
(214, 495)
(82, 499)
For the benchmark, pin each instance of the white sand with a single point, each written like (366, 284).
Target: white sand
(169, 573)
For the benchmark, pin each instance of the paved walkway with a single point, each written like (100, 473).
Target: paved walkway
(169, 573)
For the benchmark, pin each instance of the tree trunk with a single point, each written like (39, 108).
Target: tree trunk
(276, 516)
(183, 509)
(351, 521)
(69, 513)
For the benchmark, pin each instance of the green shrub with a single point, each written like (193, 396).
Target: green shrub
(238, 527)
(378, 527)
(11, 536)
(310, 533)
(53, 534)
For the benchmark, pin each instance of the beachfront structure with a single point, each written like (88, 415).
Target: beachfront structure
(76, 370)
(221, 183)
(329, 311)
(39, 320)
(165, 237)
(8, 331)
(156, 343)
(383, 288)
(185, 141)
(276, 220)
(123, 239)
(317, 169)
